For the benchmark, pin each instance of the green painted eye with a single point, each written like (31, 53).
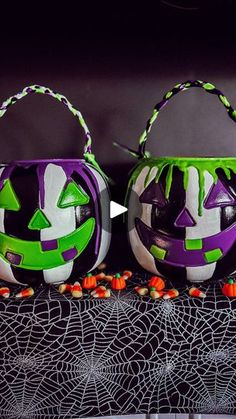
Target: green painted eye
(8, 198)
(72, 195)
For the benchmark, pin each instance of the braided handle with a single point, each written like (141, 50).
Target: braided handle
(46, 91)
(208, 87)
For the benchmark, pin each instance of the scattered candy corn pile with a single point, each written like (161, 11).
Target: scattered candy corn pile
(156, 289)
(116, 282)
(27, 292)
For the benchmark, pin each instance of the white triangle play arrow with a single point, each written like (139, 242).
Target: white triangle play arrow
(116, 209)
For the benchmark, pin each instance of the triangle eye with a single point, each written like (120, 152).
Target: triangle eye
(72, 195)
(8, 198)
(219, 196)
(154, 194)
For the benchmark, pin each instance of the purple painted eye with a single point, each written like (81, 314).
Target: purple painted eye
(154, 194)
(219, 196)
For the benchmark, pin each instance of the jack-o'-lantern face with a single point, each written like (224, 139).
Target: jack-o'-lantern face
(184, 224)
(50, 216)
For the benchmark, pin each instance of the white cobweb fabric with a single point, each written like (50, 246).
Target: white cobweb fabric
(64, 358)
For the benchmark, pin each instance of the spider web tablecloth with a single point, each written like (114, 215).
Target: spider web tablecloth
(67, 358)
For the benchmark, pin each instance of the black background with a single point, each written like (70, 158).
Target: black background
(114, 61)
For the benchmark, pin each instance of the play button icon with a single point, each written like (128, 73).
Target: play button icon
(116, 209)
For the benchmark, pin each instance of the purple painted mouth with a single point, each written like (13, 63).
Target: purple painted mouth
(189, 252)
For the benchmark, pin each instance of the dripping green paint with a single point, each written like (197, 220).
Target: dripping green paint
(201, 164)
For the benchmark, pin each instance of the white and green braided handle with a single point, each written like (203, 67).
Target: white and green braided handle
(208, 87)
(47, 91)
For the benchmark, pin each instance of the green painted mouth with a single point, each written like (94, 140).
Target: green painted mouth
(31, 254)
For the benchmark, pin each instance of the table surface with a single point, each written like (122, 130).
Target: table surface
(67, 358)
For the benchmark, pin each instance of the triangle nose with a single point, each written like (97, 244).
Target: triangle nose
(39, 221)
(184, 219)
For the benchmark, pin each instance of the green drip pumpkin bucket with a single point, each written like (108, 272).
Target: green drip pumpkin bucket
(182, 210)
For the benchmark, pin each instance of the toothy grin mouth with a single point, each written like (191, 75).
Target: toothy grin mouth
(37, 255)
(188, 252)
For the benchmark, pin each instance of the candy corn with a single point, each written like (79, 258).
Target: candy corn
(141, 290)
(76, 290)
(171, 294)
(102, 293)
(195, 292)
(108, 278)
(102, 266)
(98, 289)
(65, 288)
(156, 294)
(5, 292)
(27, 292)
(127, 274)
(100, 276)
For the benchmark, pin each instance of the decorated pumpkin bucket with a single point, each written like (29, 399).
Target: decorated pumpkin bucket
(182, 210)
(54, 214)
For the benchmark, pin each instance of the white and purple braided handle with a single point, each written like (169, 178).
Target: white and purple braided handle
(47, 91)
